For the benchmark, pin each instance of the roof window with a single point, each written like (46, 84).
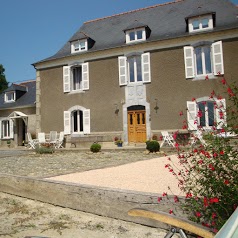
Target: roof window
(201, 23)
(10, 96)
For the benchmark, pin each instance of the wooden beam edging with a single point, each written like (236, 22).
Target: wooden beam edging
(103, 201)
(173, 221)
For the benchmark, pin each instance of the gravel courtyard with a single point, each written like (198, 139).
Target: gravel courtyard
(65, 162)
(21, 217)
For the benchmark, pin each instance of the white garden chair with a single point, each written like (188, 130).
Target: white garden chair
(60, 140)
(32, 143)
(227, 134)
(197, 136)
(41, 138)
(167, 138)
(53, 137)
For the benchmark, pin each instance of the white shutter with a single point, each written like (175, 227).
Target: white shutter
(86, 121)
(11, 127)
(67, 122)
(189, 61)
(220, 110)
(85, 76)
(217, 56)
(0, 129)
(192, 115)
(66, 78)
(122, 62)
(145, 62)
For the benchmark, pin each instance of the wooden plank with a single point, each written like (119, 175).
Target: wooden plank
(173, 221)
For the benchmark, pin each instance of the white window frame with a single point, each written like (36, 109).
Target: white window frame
(124, 73)
(203, 62)
(77, 46)
(9, 129)
(75, 85)
(207, 114)
(68, 80)
(217, 63)
(194, 120)
(13, 98)
(128, 40)
(78, 122)
(135, 70)
(200, 26)
(69, 123)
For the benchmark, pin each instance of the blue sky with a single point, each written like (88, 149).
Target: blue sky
(32, 30)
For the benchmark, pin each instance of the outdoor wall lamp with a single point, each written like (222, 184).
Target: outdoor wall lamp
(156, 105)
(116, 109)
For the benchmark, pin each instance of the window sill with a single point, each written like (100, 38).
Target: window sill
(135, 83)
(203, 77)
(77, 134)
(79, 51)
(135, 41)
(201, 30)
(76, 91)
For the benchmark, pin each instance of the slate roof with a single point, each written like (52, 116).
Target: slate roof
(15, 87)
(134, 25)
(166, 21)
(27, 99)
(80, 36)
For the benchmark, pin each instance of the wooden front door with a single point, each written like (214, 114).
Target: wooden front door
(136, 126)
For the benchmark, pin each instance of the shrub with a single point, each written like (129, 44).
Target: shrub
(44, 149)
(208, 174)
(95, 147)
(152, 145)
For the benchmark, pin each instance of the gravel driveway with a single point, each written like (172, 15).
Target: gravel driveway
(28, 163)
(20, 217)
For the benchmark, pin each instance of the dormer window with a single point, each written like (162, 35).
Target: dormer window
(78, 46)
(201, 23)
(135, 35)
(10, 97)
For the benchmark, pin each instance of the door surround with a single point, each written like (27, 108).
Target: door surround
(125, 119)
(136, 124)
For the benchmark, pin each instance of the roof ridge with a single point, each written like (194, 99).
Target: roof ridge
(19, 85)
(137, 10)
(27, 81)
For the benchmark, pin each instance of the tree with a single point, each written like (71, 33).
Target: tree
(3, 81)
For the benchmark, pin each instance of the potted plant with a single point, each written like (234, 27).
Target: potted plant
(118, 142)
(8, 143)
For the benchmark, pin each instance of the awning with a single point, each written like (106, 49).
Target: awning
(17, 114)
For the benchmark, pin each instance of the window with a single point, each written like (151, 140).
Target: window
(76, 78)
(134, 66)
(135, 35)
(200, 23)
(204, 60)
(10, 97)
(78, 46)
(77, 121)
(6, 129)
(134, 69)
(206, 113)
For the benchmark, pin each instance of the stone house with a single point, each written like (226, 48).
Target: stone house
(17, 113)
(130, 74)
